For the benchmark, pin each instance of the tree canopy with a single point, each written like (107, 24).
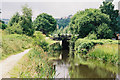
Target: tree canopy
(45, 23)
(63, 22)
(15, 19)
(2, 25)
(83, 22)
(26, 21)
(103, 32)
(108, 8)
(21, 24)
(119, 23)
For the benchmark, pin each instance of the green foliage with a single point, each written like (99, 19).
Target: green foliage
(21, 24)
(15, 19)
(55, 46)
(89, 44)
(14, 43)
(39, 40)
(91, 36)
(63, 22)
(83, 22)
(106, 53)
(33, 65)
(15, 28)
(103, 32)
(26, 21)
(83, 45)
(105, 50)
(45, 23)
(58, 31)
(2, 25)
(61, 31)
(119, 23)
(108, 8)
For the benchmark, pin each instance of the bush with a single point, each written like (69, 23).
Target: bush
(55, 46)
(16, 28)
(82, 46)
(103, 32)
(3, 26)
(39, 39)
(105, 50)
(91, 36)
(89, 44)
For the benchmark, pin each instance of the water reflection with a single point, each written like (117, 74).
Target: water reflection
(67, 68)
(84, 71)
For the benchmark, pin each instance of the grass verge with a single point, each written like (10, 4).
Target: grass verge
(13, 44)
(33, 65)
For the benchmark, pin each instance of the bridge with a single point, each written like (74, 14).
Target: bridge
(64, 38)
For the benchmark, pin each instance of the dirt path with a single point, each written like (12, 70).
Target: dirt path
(7, 64)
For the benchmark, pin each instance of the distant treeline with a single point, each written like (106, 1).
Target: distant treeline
(63, 22)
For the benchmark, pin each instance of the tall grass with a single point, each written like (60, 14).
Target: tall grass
(33, 65)
(36, 63)
(41, 36)
(106, 53)
(14, 43)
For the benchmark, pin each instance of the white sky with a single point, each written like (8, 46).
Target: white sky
(56, 8)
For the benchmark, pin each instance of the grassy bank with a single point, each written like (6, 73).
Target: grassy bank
(14, 43)
(39, 35)
(106, 53)
(36, 63)
(33, 65)
(105, 50)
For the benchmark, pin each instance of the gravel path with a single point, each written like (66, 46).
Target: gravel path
(7, 64)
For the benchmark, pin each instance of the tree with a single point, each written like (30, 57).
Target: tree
(45, 23)
(103, 32)
(22, 23)
(108, 8)
(15, 28)
(26, 21)
(83, 22)
(13, 24)
(63, 22)
(91, 35)
(119, 23)
(2, 25)
(14, 19)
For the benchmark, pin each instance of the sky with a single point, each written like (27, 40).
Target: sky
(56, 8)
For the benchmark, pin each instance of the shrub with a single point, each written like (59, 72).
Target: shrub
(3, 26)
(105, 50)
(55, 46)
(91, 36)
(83, 46)
(89, 44)
(103, 32)
(39, 39)
(16, 28)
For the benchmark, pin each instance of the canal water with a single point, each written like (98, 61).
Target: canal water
(67, 67)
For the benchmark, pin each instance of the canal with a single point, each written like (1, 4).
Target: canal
(67, 67)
